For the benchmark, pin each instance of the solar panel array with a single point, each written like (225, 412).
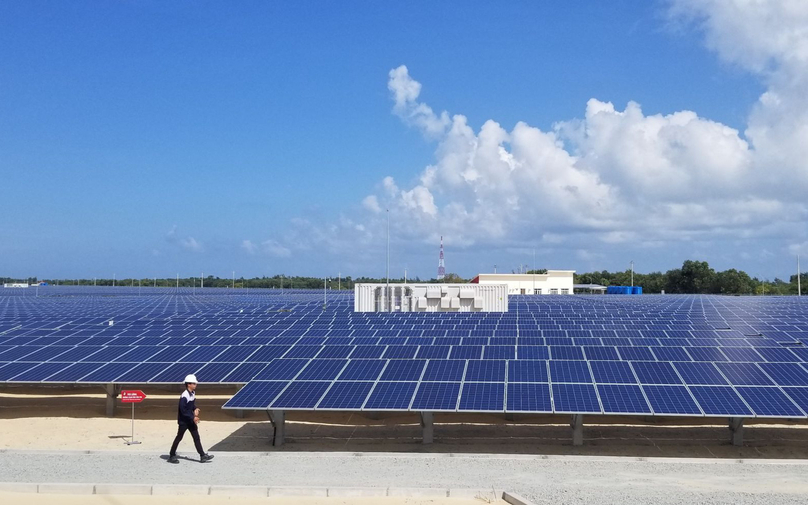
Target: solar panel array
(650, 355)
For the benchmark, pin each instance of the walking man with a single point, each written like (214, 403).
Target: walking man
(188, 418)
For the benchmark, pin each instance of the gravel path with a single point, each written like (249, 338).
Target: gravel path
(542, 479)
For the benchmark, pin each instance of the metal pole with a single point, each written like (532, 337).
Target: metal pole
(325, 281)
(389, 301)
(178, 282)
(339, 281)
(534, 271)
(632, 273)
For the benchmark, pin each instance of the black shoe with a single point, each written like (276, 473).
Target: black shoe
(205, 458)
(173, 459)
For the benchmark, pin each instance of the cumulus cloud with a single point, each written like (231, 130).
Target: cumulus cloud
(269, 247)
(188, 243)
(616, 174)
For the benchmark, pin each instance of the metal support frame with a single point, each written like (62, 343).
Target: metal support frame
(736, 430)
(239, 413)
(278, 420)
(428, 427)
(577, 426)
(112, 394)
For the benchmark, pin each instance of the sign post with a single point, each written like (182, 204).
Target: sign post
(133, 397)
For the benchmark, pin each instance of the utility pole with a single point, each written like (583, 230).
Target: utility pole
(339, 281)
(632, 273)
(495, 269)
(534, 271)
(325, 293)
(389, 301)
(178, 282)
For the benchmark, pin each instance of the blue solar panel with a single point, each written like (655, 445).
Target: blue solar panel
(174, 373)
(321, 369)
(255, 395)
(46, 353)
(569, 371)
(612, 372)
(533, 352)
(529, 398)
(655, 372)
(436, 396)
(706, 354)
(38, 373)
(671, 400)
(483, 396)
(107, 373)
(769, 402)
(700, 373)
(670, 354)
(558, 352)
(601, 353)
(445, 370)
(143, 372)
(575, 398)
(301, 395)
(786, 374)
(244, 372)
(403, 370)
(74, 372)
(346, 395)
(391, 396)
(622, 399)
(485, 371)
(527, 371)
(744, 374)
(214, 372)
(282, 369)
(720, 401)
(362, 370)
(466, 352)
(798, 395)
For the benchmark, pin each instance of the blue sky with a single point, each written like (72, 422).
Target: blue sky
(155, 138)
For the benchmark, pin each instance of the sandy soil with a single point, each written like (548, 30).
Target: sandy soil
(74, 419)
(49, 499)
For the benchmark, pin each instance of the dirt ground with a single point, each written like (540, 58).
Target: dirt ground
(65, 418)
(49, 499)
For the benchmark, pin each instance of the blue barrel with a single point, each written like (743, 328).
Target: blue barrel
(625, 290)
(636, 290)
(610, 290)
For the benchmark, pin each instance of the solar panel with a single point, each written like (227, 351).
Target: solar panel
(622, 399)
(483, 397)
(612, 372)
(720, 401)
(403, 370)
(744, 374)
(569, 371)
(485, 371)
(575, 398)
(255, 395)
(436, 396)
(700, 373)
(671, 400)
(301, 395)
(346, 395)
(530, 398)
(769, 402)
(527, 371)
(655, 372)
(391, 396)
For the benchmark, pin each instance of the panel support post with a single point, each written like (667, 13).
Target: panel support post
(736, 430)
(239, 413)
(112, 394)
(278, 419)
(577, 426)
(427, 426)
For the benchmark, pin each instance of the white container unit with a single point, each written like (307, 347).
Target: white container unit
(431, 298)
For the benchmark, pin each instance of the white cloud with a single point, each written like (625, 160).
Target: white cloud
(614, 176)
(249, 246)
(188, 243)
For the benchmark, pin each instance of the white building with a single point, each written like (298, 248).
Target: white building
(430, 298)
(554, 282)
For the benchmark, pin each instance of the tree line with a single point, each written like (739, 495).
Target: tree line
(694, 277)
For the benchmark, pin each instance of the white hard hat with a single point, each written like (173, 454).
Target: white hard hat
(190, 378)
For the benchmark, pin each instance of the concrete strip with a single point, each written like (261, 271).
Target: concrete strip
(515, 499)
(319, 492)
(17, 487)
(418, 492)
(66, 488)
(123, 489)
(486, 494)
(238, 491)
(180, 490)
(353, 492)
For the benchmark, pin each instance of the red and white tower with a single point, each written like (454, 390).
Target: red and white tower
(441, 266)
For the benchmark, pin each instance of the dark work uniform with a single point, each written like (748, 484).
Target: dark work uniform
(185, 419)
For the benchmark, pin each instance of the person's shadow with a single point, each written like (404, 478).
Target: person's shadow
(164, 457)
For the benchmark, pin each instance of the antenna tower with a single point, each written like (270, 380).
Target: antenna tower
(441, 266)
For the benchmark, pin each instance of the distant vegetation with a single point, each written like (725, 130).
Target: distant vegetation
(694, 277)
